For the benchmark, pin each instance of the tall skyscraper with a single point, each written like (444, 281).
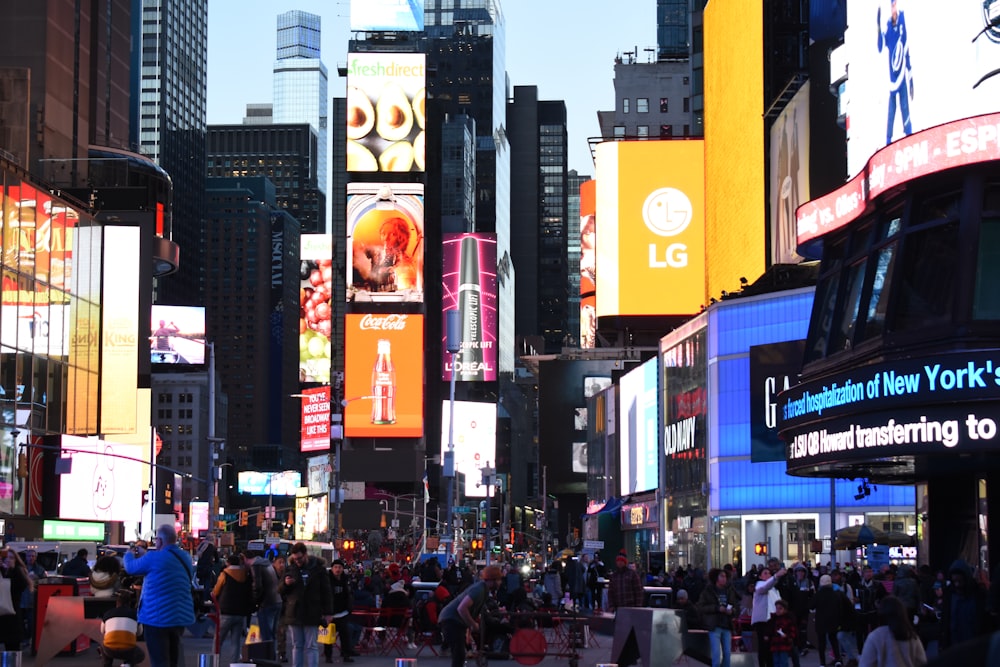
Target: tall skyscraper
(169, 79)
(539, 248)
(300, 88)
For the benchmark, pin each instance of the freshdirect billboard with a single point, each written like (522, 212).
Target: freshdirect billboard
(385, 112)
(385, 242)
(789, 177)
(651, 242)
(403, 337)
(475, 440)
(929, 65)
(470, 285)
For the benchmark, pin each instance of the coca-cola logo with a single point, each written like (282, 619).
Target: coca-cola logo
(383, 322)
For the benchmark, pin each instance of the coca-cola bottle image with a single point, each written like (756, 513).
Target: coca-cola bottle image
(383, 386)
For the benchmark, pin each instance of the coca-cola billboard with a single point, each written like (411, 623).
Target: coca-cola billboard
(384, 375)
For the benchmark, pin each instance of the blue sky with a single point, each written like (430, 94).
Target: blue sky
(565, 47)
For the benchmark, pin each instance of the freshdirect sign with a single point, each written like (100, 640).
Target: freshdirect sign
(72, 530)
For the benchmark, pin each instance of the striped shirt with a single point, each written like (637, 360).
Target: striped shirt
(119, 628)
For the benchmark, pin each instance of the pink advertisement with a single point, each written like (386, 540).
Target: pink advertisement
(470, 286)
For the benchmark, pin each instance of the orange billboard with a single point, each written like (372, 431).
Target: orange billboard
(384, 375)
(651, 236)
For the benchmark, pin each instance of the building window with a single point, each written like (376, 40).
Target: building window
(624, 105)
(687, 104)
(664, 105)
(642, 105)
(619, 131)
(666, 131)
(642, 131)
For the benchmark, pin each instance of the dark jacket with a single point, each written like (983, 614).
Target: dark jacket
(265, 583)
(829, 605)
(708, 607)
(76, 567)
(234, 592)
(963, 611)
(340, 588)
(309, 597)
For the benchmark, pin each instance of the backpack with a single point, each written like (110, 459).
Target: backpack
(236, 597)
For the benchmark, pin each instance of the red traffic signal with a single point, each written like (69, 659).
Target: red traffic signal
(760, 549)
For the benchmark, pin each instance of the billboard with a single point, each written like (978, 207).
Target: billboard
(470, 286)
(651, 242)
(119, 329)
(385, 112)
(312, 516)
(284, 483)
(385, 242)
(789, 175)
(315, 419)
(399, 15)
(639, 436)
(588, 264)
(177, 335)
(913, 66)
(773, 368)
(104, 482)
(475, 440)
(384, 376)
(318, 474)
(315, 309)
(37, 241)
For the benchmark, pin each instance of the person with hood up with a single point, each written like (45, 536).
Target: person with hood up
(233, 592)
(308, 597)
(963, 608)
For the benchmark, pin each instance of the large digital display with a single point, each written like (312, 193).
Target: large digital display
(385, 242)
(652, 229)
(315, 309)
(104, 482)
(639, 436)
(177, 335)
(37, 239)
(470, 286)
(588, 264)
(318, 474)
(475, 440)
(119, 327)
(914, 65)
(284, 483)
(384, 375)
(315, 419)
(312, 516)
(401, 15)
(773, 368)
(385, 112)
(684, 387)
(789, 177)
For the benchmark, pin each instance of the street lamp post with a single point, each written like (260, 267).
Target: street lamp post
(454, 346)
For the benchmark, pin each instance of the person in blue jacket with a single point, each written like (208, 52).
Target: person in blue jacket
(165, 607)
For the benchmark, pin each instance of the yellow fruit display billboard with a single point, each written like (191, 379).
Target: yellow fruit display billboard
(651, 240)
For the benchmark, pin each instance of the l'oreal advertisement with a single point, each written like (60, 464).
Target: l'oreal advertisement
(915, 64)
(470, 286)
(385, 244)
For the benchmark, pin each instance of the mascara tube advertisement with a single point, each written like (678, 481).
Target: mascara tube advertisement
(470, 286)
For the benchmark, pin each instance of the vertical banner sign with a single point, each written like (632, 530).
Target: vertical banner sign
(588, 264)
(119, 327)
(384, 375)
(315, 419)
(470, 285)
(315, 310)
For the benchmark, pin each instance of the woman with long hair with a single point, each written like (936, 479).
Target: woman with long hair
(894, 643)
(12, 625)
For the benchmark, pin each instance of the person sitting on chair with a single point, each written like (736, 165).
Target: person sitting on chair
(118, 629)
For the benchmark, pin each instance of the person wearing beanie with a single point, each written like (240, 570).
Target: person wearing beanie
(343, 604)
(829, 605)
(625, 589)
(464, 612)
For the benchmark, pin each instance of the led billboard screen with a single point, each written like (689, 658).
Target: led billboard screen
(315, 419)
(384, 376)
(315, 310)
(177, 335)
(104, 482)
(470, 286)
(318, 474)
(385, 242)
(402, 15)
(385, 112)
(284, 483)
(651, 242)
(120, 322)
(588, 264)
(789, 177)
(916, 67)
(475, 441)
(639, 436)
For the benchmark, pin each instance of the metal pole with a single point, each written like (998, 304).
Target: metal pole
(545, 517)
(488, 478)
(454, 345)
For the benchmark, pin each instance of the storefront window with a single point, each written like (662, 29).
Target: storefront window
(727, 540)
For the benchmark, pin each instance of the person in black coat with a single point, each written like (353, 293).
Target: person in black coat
(12, 625)
(308, 602)
(343, 604)
(829, 605)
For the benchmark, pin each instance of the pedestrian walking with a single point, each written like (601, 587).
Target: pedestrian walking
(308, 603)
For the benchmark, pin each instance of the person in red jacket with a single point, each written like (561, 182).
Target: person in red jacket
(783, 634)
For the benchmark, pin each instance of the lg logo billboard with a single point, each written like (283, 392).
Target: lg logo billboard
(667, 212)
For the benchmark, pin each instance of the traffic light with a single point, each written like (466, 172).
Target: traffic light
(760, 549)
(349, 545)
(476, 544)
(244, 517)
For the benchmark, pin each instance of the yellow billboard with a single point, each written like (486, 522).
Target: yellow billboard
(651, 240)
